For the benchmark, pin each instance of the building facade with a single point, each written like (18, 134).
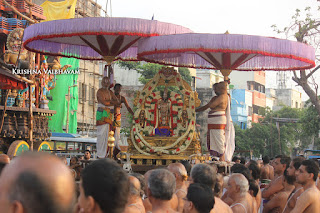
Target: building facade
(90, 76)
(255, 83)
(241, 107)
(285, 97)
(206, 78)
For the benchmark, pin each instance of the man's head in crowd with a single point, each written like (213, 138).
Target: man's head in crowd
(104, 187)
(218, 188)
(307, 172)
(281, 163)
(161, 185)
(146, 178)
(288, 179)
(117, 88)
(242, 169)
(242, 160)
(142, 181)
(199, 199)
(179, 171)
(187, 165)
(37, 182)
(204, 174)
(238, 185)
(255, 171)
(4, 160)
(260, 163)
(253, 188)
(135, 187)
(266, 160)
(236, 159)
(294, 166)
(87, 155)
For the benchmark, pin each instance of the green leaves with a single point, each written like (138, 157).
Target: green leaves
(263, 138)
(148, 70)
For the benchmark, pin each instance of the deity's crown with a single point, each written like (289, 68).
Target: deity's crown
(167, 71)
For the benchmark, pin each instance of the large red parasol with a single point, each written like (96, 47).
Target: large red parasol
(98, 38)
(227, 52)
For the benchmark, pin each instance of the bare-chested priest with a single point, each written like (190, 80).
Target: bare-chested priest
(308, 201)
(217, 120)
(104, 117)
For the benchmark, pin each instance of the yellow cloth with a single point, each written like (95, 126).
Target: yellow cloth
(59, 10)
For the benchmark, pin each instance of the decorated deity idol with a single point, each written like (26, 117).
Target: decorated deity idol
(163, 126)
(142, 118)
(49, 84)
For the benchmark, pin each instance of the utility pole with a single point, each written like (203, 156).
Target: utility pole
(68, 101)
(271, 149)
(279, 139)
(283, 120)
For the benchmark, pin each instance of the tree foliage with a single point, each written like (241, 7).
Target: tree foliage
(148, 70)
(305, 28)
(263, 138)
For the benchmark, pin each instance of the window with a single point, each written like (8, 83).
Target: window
(84, 92)
(92, 96)
(250, 111)
(256, 109)
(80, 92)
(193, 82)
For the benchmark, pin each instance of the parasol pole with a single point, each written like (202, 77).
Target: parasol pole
(226, 73)
(110, 74)
(30, 118)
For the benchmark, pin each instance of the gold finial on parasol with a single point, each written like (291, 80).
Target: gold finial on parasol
(109, 59)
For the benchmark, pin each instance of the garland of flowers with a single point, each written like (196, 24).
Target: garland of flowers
(135, 145)
(137, 137)
(138, 140)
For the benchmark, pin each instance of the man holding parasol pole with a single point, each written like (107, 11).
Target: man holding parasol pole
(105, 112)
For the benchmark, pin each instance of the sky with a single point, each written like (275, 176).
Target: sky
(252, 17)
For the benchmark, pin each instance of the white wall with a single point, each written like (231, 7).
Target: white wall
(239, 79)
(206, 78)
(270, 102)
(126, 77)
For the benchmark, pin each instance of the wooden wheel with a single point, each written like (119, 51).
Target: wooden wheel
(42, 146)
(18, 147)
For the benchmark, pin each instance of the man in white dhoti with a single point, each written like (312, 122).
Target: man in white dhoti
(220, 136)
(106, 101)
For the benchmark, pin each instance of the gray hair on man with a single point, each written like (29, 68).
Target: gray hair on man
(178, 169)
(204, 174)
(134, 186)
(242, 182)
(161, 184)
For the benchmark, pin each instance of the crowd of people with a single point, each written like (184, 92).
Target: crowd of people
(39, 182)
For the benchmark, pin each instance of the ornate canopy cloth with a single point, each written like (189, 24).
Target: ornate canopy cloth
(94, 38)
(227, 52)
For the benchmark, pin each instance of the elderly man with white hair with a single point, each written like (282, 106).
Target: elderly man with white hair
(238, 187)
(180, 173)
(161, 186)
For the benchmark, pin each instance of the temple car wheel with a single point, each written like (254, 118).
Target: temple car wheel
(17, 148)
(42, 146)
